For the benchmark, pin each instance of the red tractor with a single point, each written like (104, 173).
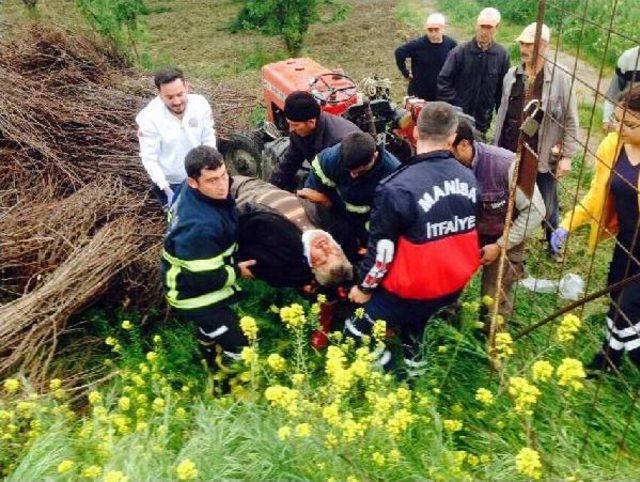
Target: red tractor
(367, 105)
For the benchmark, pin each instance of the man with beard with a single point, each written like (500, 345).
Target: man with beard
(290, 250)
(172, 124)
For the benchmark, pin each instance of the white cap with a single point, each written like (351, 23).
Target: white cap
(528, 35)
(489, 16)
(435, 20)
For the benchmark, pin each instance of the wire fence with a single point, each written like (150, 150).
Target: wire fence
(602, 192)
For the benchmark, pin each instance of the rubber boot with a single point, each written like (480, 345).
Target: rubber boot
(320, 336)
(606, 360)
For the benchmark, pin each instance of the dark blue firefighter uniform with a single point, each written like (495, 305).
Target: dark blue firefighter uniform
(199, 270)
(352, 197)
(423, 245)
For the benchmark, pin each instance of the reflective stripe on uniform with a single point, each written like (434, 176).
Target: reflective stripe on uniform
(228, 290)
(353, 208)
(198, 265)
(202, 300)
(317, 169)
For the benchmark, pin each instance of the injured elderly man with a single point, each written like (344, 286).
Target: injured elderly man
(290, 251)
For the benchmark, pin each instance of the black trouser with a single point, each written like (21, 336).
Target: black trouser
(407, 318)
(623, 318)
(219, 333)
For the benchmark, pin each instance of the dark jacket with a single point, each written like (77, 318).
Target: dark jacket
(426, 61)
(354, 195)
(423, 242)
(330, 130)
(472, 79)
(198, 264)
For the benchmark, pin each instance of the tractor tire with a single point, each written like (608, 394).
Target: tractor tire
(243, 155)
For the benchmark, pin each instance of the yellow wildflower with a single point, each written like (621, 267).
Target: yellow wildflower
(181, 413)
(525, 394)
(276, 362)
(352, 478)
(528, 463)
(297, 378)
(473, 460)
(158, 405)
(249, 355)
(442, 349)
(249, 328)
(65, 466)
(293, 316)
(504, 344)
(142, 399)
(487, 301)
(152, 357)
(141, 426)
(331, 413)
(111, 341)
(322, 298)
(55, 384)
(452, 425)
(379, 330)
(124, 403)
(126, 325)
(378, 458)
(541, 371)
(115, 476)
(570, 372)
(138, 380)
(157, 339)
(399, 422)
(331, 441)
(186, 470)
(359, 313)
(394, 455)
(568, 327)
(303, 430)
(284, 432)
(94, 397)
(484, 396)
(11, 385)
(91, 472)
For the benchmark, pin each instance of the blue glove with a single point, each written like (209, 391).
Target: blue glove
(558, 238)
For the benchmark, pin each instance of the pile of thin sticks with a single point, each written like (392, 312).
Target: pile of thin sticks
(76, 219)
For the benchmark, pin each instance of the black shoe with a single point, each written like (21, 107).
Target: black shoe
(604, 363)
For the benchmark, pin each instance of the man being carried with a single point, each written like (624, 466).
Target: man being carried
(310, 131)
(343, 178)
(168, 128)
(555, 141)
(471, 77)
(493, 168)
(290, 250)
(198, 265)
(423, 247)
(427, 55)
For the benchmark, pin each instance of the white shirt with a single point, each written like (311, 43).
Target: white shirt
(165, 139)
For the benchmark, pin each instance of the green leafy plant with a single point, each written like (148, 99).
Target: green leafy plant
(289, 19)
(118, 22)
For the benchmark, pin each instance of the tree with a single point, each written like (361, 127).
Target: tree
(117, 21)
(289, 19)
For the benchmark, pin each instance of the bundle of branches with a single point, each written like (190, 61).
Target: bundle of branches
(39, 234)
(30, 325)
(67, 114)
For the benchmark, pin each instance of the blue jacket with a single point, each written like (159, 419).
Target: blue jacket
(198, 257)
(354, 195)
(423, 242)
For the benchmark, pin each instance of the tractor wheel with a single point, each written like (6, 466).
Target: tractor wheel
(244, 155)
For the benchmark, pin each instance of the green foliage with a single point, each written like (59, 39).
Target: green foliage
(289, 19)
(568, 17)
(118, 22)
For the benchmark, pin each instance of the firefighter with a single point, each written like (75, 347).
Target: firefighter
(423, 244)
(493, 168)
(343, 179)
(310, 131)
(198, 265)
(172, 124)
(290, 250)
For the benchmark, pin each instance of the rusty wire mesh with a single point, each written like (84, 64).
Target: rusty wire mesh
(599, 294)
